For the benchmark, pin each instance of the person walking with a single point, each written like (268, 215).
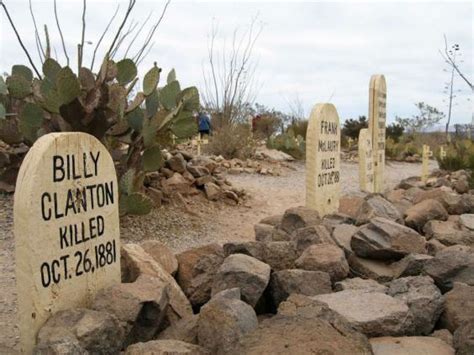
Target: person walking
(204, 124)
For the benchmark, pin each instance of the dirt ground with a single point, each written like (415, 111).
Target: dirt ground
(197, 223)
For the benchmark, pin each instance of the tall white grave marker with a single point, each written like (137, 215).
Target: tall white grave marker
(427, 153)
(66, 223)
(377, 118)
(323, 144)
(366, 166)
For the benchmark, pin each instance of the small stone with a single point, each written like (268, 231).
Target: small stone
(213, 192)
(162, 254)
(419, 214)
(377, 206)
(177, 163)
(360, 284)
(263, 232)
(307, 236)
(299, 217)
(324, 257)
(458, 307)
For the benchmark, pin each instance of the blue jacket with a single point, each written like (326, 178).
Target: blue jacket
(204, 123)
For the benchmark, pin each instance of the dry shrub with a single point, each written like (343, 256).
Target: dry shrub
(232, 141)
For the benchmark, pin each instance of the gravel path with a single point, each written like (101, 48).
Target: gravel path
(183, 227)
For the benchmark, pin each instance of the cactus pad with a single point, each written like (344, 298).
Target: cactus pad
(23, 71)
(126, 71)
(3, 87)
(68, 85)
(2, 112)
(152, 159)
(152, 103)
(190, 98)
(171, 76)
(137, 203)
(31, 119)
(135, 119)
(137, 101)
(169, 94)
(151, 80)
(51, 69)
(18, 86)
(127, 182)
(184, 126)
(86, 79)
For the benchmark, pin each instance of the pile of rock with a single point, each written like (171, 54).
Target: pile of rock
(379, 277)
(190, 175)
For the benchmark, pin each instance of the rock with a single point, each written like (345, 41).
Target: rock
(411, 265)
(413, 181)
(79, 331)
(213, 192)
(231, 293)
(461, 186)
(299, 217)
(165, 347)
(324, 257)
(162, 255)
(185, 330)
(176, 183)
(274, 220)
(303, 326)
(379, 271)
(135, 262)
(372, 313)
(448, 232)
(445, 335)
(279, 255)
(243, 271)
(196, 271)
(273, 155)
(419, 214)
(434, 246)
(263, 232)
(177, 163)
(458, 307)
(309, 283)
(385, 239)
(140, 307)
(410, 346)
(253, 249)
(464, 338)
(198, 171)
(167, 172)
(306, 236)
(467, 221)
(330, 221)
(350, 205)
(455, 263)
(377, 206)
(342, 235)
(279, 235)
(423, 298)
(203, 180)
(360, 284)
(206, 162)
(223, 322)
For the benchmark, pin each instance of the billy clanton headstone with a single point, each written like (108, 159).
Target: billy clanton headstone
(66, 224)
(377, 118)
(323, 144)
(366, 167)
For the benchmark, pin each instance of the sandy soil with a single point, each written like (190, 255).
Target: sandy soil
(182, 227)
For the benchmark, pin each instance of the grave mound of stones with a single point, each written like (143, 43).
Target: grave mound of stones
(390, 272)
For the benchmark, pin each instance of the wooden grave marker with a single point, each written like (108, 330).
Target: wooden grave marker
(323, 146)
(66, 224)
(377, 118)
(366, 166)
(425, 160)
(199, 141)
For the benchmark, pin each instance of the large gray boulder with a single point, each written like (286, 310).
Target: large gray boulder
(185, 330)
(306, 236)
(279, 255)
(464, 338)
(223, 322)
(372, 313)
(263, 232)
(377, 206)
(177, 163)
(377, 270)
(162, 254)
(140, 307)
(324, 257)
(449, 232)
(80, 331)
(243, 271)
(452, 264)
(422, 297)
(303, 326)
(411, 265)
(417, 215)
(299, 217)
(360, 284)
(385, 239)
(158, 347)
(458, 307)
(410, 346)
(342, 235)
(286, 282)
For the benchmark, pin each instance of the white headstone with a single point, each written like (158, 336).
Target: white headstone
(323, 144)
(66, 224)
(377, 118)
(366, 166)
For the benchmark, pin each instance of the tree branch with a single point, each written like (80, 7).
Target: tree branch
(131, 5)
(81, 50)
(39, 45)
(102, 36)
(60, 32)
(19, 39)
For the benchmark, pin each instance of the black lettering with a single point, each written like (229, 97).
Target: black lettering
(96, 162)
(57, 214)
(45, 275)
(58, 167)
(109, 193)
(63, 237)
(46, 216)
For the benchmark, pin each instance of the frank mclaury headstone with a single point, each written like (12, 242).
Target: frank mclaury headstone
(66, 224)
(366, 166)
(323, 144)
(377, 118)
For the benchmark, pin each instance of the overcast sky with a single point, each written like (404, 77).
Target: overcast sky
(314, 50)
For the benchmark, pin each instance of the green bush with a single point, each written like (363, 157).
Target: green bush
(299, 127)
(459, 155)
(289, 144)
(232, 141)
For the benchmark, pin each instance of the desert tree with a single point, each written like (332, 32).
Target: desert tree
(426, 118)
(229, 73)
